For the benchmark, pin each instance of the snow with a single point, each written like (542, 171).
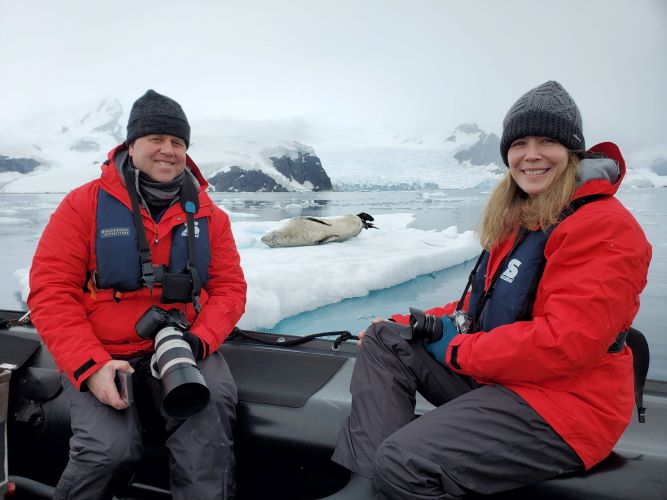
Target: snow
(56, 142)
(400, 168)
(639, 165)
(284, 282)
(70, 144)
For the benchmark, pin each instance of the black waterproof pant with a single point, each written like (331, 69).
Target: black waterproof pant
(480, 439)
(106, 443)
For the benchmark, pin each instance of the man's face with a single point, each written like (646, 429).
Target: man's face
(161, 157)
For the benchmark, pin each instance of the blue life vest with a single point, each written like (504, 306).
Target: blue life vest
(118, 263)
(511, 296)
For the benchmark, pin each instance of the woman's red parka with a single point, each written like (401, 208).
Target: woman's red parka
(596, 266)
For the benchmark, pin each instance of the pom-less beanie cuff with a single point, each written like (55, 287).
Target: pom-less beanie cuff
(547, 110)
(155, 113)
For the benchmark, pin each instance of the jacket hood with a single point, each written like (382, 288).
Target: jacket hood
(601, 171)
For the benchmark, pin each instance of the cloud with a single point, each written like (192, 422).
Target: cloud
(375, 66)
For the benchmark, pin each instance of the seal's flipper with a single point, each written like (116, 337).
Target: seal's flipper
(333, 237)
(315, 219)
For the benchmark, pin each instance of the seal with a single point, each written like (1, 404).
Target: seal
(306, 231)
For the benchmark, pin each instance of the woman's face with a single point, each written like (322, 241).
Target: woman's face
(535, 162)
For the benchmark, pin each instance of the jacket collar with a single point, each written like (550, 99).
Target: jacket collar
(113, 179)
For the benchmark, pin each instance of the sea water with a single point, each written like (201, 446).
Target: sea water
(23, 217)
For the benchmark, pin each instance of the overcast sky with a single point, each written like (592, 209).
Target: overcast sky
(370, 66)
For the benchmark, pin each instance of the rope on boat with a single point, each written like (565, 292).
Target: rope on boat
(261, 337)
(8, 323)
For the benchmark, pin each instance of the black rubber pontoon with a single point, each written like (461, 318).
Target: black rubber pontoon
(292, 403)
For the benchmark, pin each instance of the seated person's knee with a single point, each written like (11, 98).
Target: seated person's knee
(389, 463)
(123, 452)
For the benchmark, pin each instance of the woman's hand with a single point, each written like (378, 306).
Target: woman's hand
(362, 333)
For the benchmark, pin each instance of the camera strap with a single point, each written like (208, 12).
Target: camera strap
(147, 272)
(189, 200)
(190, 204)
(471, 278)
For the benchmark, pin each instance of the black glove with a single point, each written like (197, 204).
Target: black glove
(196, 345)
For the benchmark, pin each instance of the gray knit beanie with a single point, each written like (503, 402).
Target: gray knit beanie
(155, 113)
(547, 110)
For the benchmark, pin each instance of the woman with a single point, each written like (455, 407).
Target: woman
(542, 384)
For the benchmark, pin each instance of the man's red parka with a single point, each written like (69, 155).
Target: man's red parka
(83, 327)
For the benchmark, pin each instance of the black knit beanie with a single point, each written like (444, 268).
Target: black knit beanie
(548, 111)
(155, 113)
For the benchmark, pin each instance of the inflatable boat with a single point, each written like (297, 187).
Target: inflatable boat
(292, 400)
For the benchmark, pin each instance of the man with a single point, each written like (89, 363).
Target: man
(144, 234)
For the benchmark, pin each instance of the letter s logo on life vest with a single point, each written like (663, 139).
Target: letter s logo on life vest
(511, 271)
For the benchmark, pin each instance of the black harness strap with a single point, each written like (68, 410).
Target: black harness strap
(190, 204)
(189, 200)
(471, 278)
(640, 360)
(147, 272)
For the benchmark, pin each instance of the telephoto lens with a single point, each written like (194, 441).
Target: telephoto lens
(183, 386)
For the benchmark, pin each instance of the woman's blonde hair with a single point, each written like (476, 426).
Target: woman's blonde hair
(510, 208)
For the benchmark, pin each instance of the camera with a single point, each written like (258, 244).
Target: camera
(461, 321)
(426, 327)
(184, 389)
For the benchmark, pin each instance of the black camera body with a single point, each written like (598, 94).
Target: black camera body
(184, 389)
(156, 318)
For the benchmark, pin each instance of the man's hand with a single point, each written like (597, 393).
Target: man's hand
(103, 386)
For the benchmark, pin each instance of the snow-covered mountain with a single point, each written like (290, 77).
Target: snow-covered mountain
(466, 157)
(58, 151)
(55, 153)
(68, 147)
(235, 157)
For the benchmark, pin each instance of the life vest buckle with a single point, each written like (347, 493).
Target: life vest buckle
(147, 274)
(159, 272)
